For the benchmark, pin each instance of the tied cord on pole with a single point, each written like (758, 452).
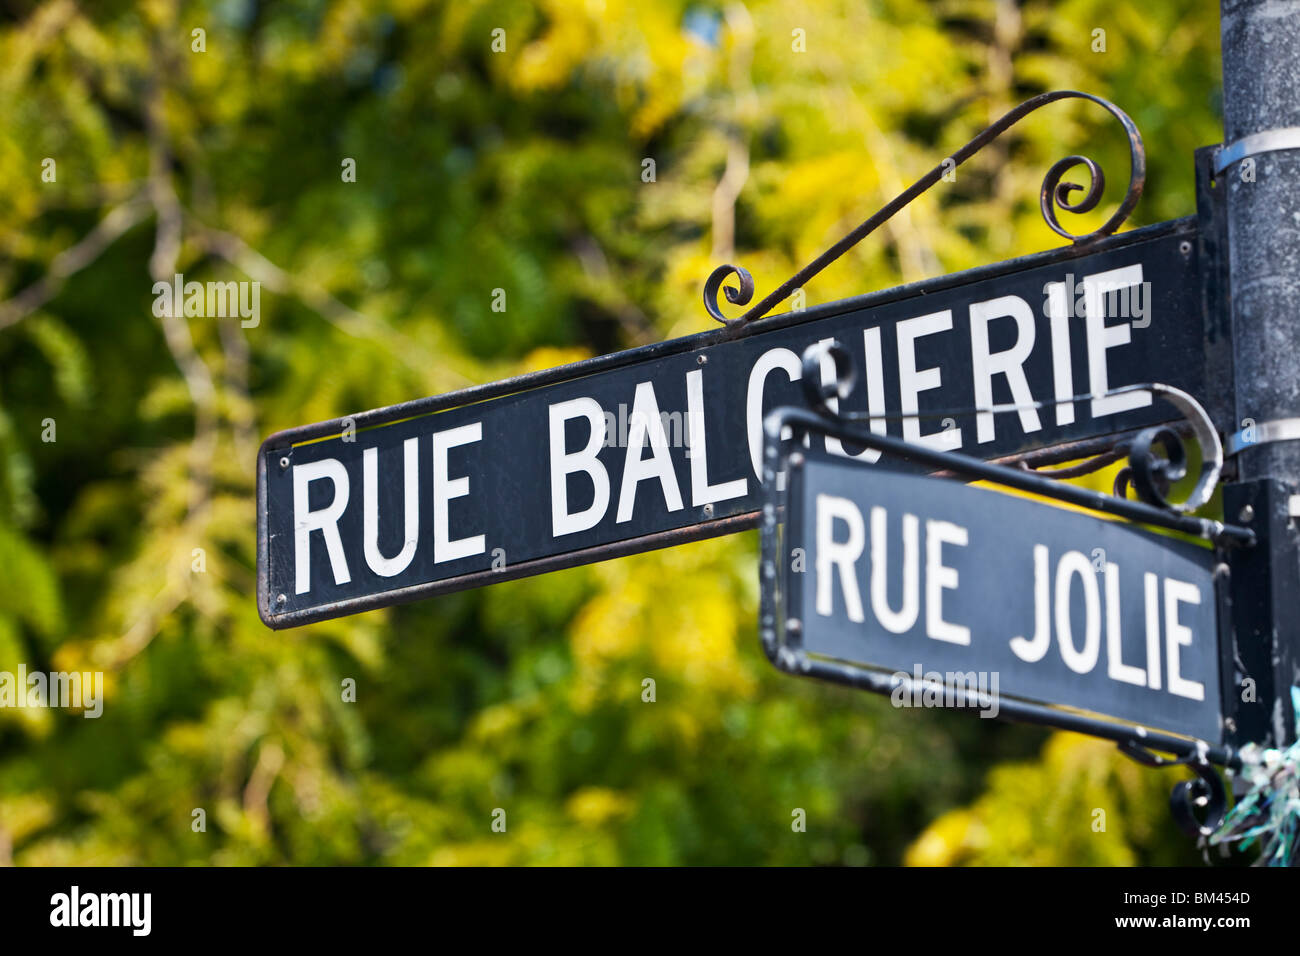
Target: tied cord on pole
(1269, 811)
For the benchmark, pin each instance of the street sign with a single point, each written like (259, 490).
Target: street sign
(659, 445)
(950, 588)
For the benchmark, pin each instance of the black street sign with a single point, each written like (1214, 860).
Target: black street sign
(661, 444)
(956, 586)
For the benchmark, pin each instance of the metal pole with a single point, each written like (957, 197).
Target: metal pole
(1259, 173)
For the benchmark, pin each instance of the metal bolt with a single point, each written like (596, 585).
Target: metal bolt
(796, 460)
(793, 626)
(1229, 725)
(281, 599)
(284, 462)
(1185, 247)
(702, 360)
(1246, 515)
(708, 511)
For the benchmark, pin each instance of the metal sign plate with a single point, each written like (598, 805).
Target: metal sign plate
(659, 445)
(954, 585)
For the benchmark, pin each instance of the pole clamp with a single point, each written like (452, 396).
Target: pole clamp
(1281, 429)
(1269, 141)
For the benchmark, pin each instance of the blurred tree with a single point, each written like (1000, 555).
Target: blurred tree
(381, 167)
(1034, 814)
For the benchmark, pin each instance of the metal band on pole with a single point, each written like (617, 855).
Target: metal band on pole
(1281, 429)
(1269, 141)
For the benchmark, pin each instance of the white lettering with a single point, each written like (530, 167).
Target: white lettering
(564, 464)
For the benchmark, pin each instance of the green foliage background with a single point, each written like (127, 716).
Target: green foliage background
(478, 170)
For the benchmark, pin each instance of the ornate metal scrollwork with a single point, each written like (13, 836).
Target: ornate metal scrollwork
(1205, 793)
(1055, 195)
(736, 296)
(1151, 473)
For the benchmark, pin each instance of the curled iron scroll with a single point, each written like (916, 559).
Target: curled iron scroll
(1205, 793)
(1151, 472)
(1055, 195)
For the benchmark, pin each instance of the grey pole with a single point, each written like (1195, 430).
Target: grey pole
(1260, 176)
